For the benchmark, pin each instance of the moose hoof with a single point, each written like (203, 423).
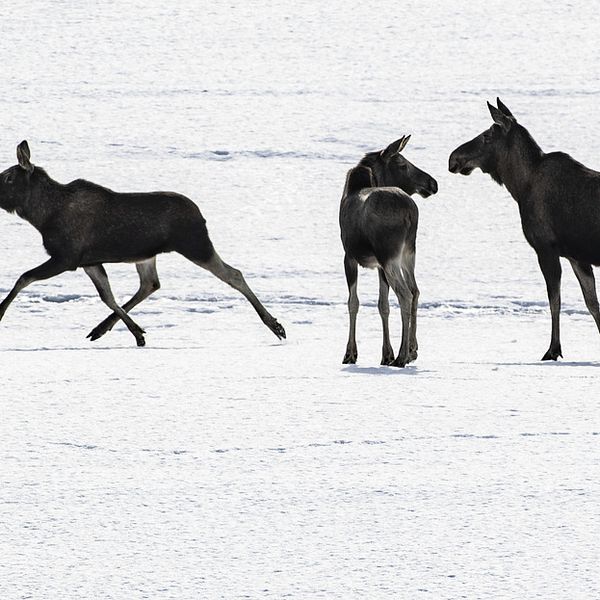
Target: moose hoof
(552, 354)
(412, 356)
(350, 358)
(96, 333)
(399, 362)
(140, 341)
(277, 329)
(387, 355)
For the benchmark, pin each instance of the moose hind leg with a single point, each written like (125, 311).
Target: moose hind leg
(585, 276)
(398, 283)
(100, 280)
(235, 279)
(149, 283)
(550, 266)
(409, 272)
(351, 270)
(387, 352)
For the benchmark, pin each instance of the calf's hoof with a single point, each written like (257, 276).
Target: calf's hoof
(96, 333)
(138, 333)
(276, 328)
(387, 356)
(399, 362)
(350, 358)
(553, 353)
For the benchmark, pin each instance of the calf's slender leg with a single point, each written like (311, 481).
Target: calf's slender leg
(149, 283)
(395, 277)
(236, 280)
(387, 352)
(100, 280)
(409, 272)
(351, 269)
(550, 265)
(585, 276)
(50, 268)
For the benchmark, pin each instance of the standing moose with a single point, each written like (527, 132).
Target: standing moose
(378, 222)
(85, 225)
(559, 203)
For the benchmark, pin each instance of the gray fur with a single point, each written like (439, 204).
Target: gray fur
(378, 223)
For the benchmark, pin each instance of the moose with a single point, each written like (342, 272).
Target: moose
(378, 223)
(86, 225)
(558, 199)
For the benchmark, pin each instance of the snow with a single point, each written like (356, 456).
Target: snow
(218, 462)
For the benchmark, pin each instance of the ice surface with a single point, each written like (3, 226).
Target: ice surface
(218, 462)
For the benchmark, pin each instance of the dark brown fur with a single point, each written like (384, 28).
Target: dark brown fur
(559, 204)
(85, 225)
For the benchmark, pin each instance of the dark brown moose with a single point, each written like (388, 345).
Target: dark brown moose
(85, 225)
(559, 203)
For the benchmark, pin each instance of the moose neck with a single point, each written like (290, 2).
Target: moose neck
(43, 195)
(374, 161)
(517, 167)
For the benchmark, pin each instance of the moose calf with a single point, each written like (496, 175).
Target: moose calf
(85, 225)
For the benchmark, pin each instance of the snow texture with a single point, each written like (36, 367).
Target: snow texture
(218, 462)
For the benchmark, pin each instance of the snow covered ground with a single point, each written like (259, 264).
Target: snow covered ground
(218, 462)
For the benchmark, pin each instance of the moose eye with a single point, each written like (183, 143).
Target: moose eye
(9, 178)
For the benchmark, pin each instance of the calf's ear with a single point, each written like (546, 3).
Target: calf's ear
(396, 146)
(23, 155)
(404, 142)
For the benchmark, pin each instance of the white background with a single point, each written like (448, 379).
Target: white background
(217, 462)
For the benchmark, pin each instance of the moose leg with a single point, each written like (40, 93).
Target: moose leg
(409, 272)
(387, 353)
(394, 275)
(46, 270)
(236, 280)
(351, 270)
(585, 276)
(149, 283)
(100, 280)
(550, 265)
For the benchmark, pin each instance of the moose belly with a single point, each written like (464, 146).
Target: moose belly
(123, 251)
(368, 262)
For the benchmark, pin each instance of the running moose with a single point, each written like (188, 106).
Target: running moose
(85, 225)
(378, 222)
(559, 203)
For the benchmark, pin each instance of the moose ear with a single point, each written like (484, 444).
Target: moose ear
(505, 121)
(358, 178)
(404, 142)
(396, 146)
(23, 155)
(503, 108)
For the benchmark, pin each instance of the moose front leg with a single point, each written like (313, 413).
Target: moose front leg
(149, 283)
(100, 280)
(46, 270)
(550, 265)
